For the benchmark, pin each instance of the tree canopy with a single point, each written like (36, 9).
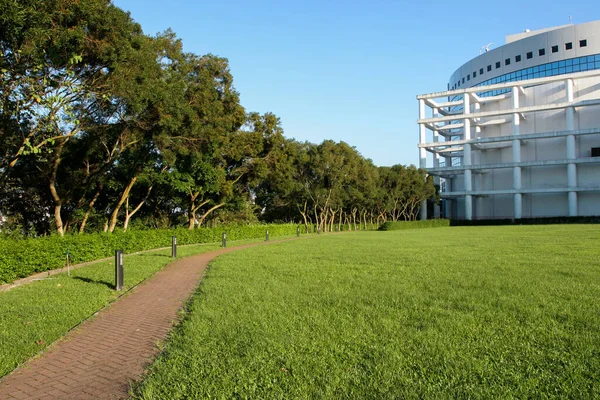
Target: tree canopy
(103, 127)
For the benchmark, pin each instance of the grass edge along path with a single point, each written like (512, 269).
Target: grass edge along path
(35, 315)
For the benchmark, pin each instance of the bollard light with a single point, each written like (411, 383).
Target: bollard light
(298, 231)
(119, 270)
(174, 246)
(267, 236)
(224, 241)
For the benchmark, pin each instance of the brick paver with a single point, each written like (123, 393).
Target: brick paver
(103, 355)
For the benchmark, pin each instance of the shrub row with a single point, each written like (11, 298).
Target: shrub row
(22, 257)
(401, 225)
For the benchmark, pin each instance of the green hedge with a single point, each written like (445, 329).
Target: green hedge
(401, 225)
(22, 257)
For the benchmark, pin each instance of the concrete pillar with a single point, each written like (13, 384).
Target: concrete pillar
(422, 153)
(516, 153)
(436, 164)
(467, 157)
(571, 149)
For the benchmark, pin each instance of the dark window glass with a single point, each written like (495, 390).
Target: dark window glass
(518, 58)
(583, 43)
(480, 71)
(463, 80)
(530, 55)
(474, 74)
(542, 52)
(469, 77)
(498, 64)
(489, 68)
(555, 49)
(568, 46)
(507, 61)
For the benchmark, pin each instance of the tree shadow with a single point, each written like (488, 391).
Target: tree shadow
(111, 285)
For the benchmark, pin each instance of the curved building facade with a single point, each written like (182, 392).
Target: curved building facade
(517, 132)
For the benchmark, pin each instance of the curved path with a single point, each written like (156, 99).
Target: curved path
(100, 358)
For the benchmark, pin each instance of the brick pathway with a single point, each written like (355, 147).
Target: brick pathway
(100, 358)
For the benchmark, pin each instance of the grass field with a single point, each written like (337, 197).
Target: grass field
(34, 315)
(469, 312)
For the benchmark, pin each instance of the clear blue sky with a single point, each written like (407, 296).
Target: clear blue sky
(348, 69)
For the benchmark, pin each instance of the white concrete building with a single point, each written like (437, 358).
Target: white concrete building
(517, 133)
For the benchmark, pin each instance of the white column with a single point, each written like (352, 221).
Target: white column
(467, 158)
(436, 164)
(422, 152)
(516, 153)
(477, 182)
(571, 153)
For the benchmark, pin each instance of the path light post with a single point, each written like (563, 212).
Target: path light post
(267, 236)
(298, 231)
(224, 240)
(68, 263)
(174, 246)
(119, 270)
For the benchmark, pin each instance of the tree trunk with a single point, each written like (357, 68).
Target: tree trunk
(213, 208)
(55, 196)
(124, 196)
(332, 220)
(303, 213)
(89, 210)
(129, 215)
(58, 219)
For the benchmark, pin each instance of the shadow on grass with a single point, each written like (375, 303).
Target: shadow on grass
(154, 255)
(110, 285)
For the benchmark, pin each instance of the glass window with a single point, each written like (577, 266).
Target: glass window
(555, 49)
(541, 52)
(568, 46)
(518, 58)
(507, 61)
(469, 77)
(489, 68)
(474, 74)
(480, 71)
(463, 80)
(583, 43)
(529, 55)
(498, 64)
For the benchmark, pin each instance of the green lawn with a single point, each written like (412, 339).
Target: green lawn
(34, 315)
(464, 312)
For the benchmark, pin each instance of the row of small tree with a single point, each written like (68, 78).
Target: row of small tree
(102, 126)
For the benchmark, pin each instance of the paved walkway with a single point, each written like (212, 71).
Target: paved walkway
(103, 355)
